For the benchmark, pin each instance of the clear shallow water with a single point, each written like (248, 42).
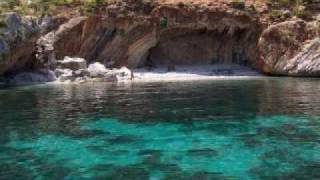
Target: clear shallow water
(237, 129)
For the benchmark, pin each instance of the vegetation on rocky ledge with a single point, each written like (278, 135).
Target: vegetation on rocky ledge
(274, 36)
(277, 9)
(297, 7)
(41, 7)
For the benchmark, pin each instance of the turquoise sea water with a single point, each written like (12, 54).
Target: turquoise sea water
(266, 128)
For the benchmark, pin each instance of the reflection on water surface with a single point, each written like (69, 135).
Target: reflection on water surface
(268, 128)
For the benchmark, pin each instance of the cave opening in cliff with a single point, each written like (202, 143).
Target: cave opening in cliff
(185, 47)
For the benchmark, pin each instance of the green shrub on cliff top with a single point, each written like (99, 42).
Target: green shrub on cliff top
(40, 7)
(2, 23)
(284, 3)
(164, 22)
(296, 6)
(238, 4)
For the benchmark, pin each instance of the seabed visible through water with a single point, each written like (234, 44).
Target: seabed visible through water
(265, 128)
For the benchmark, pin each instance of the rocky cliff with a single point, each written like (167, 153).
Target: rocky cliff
(291, 48)
(138, 33)
(18, 37)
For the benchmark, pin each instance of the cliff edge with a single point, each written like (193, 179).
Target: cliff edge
(273, 38)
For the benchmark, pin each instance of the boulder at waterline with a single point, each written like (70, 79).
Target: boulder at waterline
(72, 63)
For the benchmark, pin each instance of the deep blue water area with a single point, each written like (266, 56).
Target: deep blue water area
(264, 128)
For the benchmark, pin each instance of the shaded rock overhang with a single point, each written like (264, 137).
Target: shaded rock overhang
(166, 35)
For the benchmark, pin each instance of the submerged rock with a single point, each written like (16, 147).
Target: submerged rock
(41, 76)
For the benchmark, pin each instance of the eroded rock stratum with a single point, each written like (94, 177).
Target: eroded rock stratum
(136, 34)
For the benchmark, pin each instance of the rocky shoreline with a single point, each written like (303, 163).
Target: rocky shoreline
(139, 35)
(76, 71)
(72, 70)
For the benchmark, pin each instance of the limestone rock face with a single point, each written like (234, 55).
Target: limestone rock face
(96, 72)
(290, 48)
(307, 61)
(63, 41)
(166, 35)
(72, 63)
(17, 38)
(135, 34)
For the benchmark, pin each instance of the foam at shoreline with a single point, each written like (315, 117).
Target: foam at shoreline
(200, 72)
(159, 74)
